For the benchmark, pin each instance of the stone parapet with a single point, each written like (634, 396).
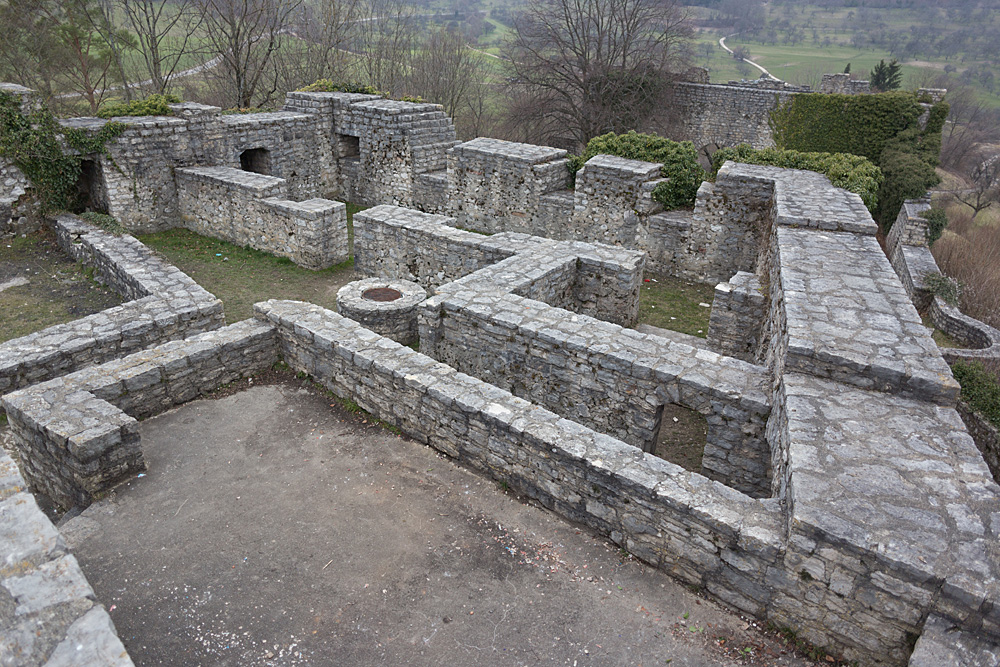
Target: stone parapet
(77, 436)
(250, 209)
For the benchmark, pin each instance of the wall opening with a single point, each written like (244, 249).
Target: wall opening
(257, 160)
(681, 436)
(349, 146)
(90, 192)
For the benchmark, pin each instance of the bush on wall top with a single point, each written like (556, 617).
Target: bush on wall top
(154, 105)
(852, 172)
(679, 160)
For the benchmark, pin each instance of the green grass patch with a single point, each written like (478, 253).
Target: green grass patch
(980, 389)
(241, 277)
(58, 290)
(671, 303)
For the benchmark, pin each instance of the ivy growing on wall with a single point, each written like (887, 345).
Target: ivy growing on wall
(36, 144)
(882, 128)
(680, 163)
(856, 124)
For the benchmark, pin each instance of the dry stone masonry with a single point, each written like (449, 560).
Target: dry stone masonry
(163, 304)
(250, 209)
(840, 495)
(387, 307)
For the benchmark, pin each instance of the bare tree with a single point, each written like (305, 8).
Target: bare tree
(592, 66)
(247, 34)
(384, 45)
(164, 30)
(445, 70)
(325, 29)
(984, 177)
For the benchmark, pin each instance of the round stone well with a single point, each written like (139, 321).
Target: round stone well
(387, 307)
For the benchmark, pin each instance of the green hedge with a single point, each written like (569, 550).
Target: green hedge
(154, 105)
(979, 389)
(882, 128)
(679, 160)
(328, 86)
(856, 124)
(851, 172)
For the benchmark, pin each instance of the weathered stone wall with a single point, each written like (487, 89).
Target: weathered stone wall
(712, 115)
(912, 260)
(593, 279)
(613, 380)
(699, 531)
(77, 435)
(613, 199)
(164, 304)
(51, 615)
(986, 435)
(497, 186)
(739, 311)
(252, 210)
(843, 84)
(397, 142)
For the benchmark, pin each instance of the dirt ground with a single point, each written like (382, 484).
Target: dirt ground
(40, 286)
(275, 528)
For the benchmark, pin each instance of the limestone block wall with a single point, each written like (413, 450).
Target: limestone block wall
(77, 435)
(497, 186)
(292, 150)
(330, 149)
(725, 115)
(396, 142)
(593, 279)
(700, 531)
(739, 310)
(598, 374)
(842, 84)
(251, 209)
(164, 304)
(912, 261)
(52, 616)
(613, 198)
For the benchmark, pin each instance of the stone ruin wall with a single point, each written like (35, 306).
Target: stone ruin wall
(252, 210)
(848, 572)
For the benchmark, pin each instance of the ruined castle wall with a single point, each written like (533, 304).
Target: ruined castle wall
(77, 435)
(724, 115)
(164, 304)
(250, 209)
(497, 186)
(700, 531)
(611, 379)
(739, 310)
(912, 261)
(397, 141)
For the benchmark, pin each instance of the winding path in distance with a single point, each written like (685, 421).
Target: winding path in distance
(722, 43)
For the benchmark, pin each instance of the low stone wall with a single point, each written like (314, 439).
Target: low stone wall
(912, 261)
(739, 310)
(51, 616)
(593, 279)
(697, 530)
(986, 435)
(497, 186)
(165, 305)
(610, 379)
(250, 210)
(77, 435)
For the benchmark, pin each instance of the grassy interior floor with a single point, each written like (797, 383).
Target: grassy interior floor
(40, 286)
